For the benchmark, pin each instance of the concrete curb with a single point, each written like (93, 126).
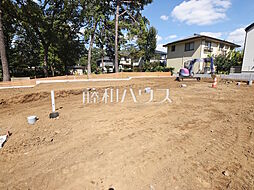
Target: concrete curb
(13, 87)
(97, 80)
(82, 80)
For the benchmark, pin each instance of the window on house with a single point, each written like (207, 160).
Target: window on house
(221, 46)
(173, 48)
(208, 44)
(189, 46)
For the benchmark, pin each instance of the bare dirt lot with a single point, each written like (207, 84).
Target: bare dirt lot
(204, 139)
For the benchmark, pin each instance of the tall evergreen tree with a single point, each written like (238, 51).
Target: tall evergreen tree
(47, 33)
(150, 45)
(96, 14)
(130, 9)
(46, 19)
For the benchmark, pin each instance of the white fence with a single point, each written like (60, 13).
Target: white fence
(239, 76)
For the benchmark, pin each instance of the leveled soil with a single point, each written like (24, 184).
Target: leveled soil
(204, 139)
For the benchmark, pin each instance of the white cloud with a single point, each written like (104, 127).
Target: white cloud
(164, 17)
(212, 34)
(237, 36)
(171, 37)
(201, 12)
(159, 38)
(161, 48)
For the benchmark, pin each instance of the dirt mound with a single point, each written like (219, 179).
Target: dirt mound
(32, 97)
(36, 96)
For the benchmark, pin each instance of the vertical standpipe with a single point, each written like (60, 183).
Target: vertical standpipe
(84, 97)
(53, 101)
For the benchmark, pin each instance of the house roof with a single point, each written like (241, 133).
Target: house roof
(160, 52)
(124, 53)
(197, 36)
(77, 67)
(106, 59)
(249, 27)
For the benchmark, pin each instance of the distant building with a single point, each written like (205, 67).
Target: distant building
(108, 64)
(138, 62)
(248, 60)
(126, 63)
(77, 69)
(161, 57)
(195, 47)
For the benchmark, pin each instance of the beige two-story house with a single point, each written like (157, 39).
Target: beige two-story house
(195, 47)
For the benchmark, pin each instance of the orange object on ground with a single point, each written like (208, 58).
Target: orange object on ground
(214, 85)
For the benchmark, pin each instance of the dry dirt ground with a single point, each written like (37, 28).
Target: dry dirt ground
(204, 139)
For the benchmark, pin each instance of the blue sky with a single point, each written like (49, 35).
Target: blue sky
(224, 19)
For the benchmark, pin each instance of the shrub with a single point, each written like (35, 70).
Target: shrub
(127, 70)
(225, 62)
(159, 69)
(169, 69)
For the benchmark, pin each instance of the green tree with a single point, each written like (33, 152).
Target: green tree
(129, 10)
(146, 40)
(103, 31)
(150, 44)
(96, 13)
(69, 45)
(143, 41)
(25, 52)
(46, 19)
(225, 62)
(47, 34)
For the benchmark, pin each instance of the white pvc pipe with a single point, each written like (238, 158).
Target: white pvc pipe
(88, 96)
(53, 101)
(84, 97)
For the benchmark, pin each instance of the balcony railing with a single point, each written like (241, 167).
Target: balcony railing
(208, 49)
(223, 51)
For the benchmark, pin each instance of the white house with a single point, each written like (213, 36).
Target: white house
(126, 63)
(107, 64)
(248, 60)
(76, 69)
